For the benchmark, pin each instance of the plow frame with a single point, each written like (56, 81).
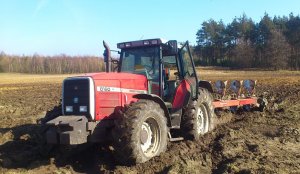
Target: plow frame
(235, 102)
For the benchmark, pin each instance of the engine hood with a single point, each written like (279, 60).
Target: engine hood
(114, 90)
(126, 80)
(114, 76)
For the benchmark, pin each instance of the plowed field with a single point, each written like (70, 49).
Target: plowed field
(250, 142)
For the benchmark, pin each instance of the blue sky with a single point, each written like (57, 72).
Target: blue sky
(77, 27)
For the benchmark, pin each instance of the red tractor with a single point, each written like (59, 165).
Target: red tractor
(141, 106)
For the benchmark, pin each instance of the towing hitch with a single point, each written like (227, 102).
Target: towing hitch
(67, 130)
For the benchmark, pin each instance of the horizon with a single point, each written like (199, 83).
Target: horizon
(77, 28)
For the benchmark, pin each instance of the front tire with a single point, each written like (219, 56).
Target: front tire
(141, 134)
(198, 116)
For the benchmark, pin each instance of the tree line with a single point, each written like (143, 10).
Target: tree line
(271, 43)
(60, 64)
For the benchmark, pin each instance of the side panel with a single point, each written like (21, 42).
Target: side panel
(107, 97)
(111, 95)
(182, 95)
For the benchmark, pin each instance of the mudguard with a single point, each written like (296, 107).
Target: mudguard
(206, 85)
(158, 100)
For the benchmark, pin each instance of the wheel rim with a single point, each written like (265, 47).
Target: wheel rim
(149, 137)
(202, 120)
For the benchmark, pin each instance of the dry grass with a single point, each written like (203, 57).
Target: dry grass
(16, 78)
(203, 73)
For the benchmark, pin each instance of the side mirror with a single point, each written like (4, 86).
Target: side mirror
(173, 45)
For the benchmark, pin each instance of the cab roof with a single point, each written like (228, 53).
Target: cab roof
(140, 43)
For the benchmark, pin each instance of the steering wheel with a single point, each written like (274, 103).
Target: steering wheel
(149, 68)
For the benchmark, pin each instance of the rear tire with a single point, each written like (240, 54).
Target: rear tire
(141, 133)
(199, 116)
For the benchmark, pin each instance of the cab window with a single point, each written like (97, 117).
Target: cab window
(141, 61)
(144, 61)
(188, 70)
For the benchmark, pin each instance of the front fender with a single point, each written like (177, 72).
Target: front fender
(158, 100)
(206, 85)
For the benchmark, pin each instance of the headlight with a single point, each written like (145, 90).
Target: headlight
(69, 108)
(83, 109)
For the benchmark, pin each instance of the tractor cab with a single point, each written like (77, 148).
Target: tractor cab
(168, 67)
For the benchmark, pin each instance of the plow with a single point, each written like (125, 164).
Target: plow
(235, 95)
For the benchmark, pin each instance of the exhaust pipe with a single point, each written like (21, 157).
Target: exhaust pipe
(107, 57)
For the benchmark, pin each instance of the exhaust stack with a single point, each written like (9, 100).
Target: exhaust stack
(107, 57)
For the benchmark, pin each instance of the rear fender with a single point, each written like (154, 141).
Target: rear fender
(206, 85)
(158, 100)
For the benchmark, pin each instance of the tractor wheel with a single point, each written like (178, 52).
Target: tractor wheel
(141, 133)
(198, 116)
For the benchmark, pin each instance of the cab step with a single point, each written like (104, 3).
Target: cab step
(174, 139)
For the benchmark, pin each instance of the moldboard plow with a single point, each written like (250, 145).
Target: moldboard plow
(235, 94)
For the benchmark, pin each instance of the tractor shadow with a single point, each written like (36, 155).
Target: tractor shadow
(20, 146)
(24, 147)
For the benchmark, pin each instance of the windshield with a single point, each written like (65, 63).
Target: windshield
(142, 60)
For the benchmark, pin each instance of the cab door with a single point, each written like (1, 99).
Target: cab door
(188, 69)
(187, 89)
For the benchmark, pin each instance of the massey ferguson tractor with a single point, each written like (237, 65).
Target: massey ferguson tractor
(149, 96)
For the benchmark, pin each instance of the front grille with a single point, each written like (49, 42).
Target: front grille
(76, 93)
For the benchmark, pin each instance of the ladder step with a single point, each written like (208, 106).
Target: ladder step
(174, 139)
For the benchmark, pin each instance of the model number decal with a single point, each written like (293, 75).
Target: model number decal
(103, 88)
(124, 90)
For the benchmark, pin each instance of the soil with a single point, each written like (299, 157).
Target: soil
(245, 142)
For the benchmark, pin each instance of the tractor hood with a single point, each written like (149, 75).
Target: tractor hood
(115, 90)
(125, 80)
(114, 75)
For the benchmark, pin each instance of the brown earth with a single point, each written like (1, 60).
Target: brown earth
(253, 142)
